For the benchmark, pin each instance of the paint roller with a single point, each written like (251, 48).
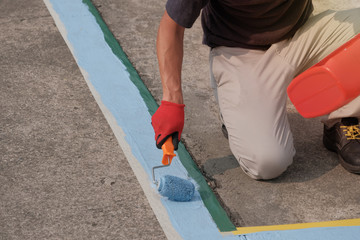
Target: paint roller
(172, 187)
(329, 84)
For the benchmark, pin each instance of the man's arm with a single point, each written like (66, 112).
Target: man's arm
(168, 120)
(170, 40)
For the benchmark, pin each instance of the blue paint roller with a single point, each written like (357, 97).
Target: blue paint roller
(172, 187)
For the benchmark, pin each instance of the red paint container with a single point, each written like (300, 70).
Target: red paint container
(329, 84)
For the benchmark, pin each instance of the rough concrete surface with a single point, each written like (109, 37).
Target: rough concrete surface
(62, 173)
(315, 187)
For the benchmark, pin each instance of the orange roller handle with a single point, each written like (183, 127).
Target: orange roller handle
(168, 151)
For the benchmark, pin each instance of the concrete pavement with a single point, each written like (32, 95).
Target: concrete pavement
(62, 173)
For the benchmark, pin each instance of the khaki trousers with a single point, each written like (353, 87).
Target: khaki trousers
(250, 86)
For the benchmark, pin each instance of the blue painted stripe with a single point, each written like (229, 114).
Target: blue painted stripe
(111, 81)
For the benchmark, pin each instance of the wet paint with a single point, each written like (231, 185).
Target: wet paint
(110, 81)
(216, 211)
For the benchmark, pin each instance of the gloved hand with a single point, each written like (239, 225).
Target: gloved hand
(168, 121)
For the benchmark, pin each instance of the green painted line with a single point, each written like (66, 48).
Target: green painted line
(118, 51)
(210, 201)
(212, 204)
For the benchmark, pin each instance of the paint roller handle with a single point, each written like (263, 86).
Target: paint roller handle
(168, 151)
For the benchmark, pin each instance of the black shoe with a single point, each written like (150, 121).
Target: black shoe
(344, 139)
(225, 132)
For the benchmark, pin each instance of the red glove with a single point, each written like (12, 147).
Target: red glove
(168, 121)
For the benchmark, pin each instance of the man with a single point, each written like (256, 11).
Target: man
(257, 48)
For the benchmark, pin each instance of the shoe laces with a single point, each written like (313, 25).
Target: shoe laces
(352, 132)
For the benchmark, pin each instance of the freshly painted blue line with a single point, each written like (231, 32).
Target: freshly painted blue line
(110, 79)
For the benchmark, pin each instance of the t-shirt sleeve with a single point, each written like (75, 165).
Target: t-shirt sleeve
(185, 12)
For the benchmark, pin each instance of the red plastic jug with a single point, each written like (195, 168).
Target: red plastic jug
(329, 84)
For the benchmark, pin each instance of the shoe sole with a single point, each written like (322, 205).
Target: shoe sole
(335, 148)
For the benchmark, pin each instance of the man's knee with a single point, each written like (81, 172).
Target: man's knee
(268, 164)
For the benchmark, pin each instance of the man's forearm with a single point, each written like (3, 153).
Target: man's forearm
(170, 56)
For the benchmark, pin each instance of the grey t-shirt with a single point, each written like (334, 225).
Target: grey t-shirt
(252, 24)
